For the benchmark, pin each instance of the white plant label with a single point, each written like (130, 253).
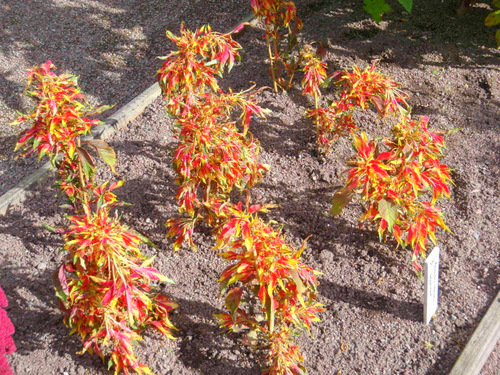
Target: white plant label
(431, 276)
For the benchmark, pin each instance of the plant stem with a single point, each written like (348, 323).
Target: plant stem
(277, 57)
(271, 59)
(83, 194)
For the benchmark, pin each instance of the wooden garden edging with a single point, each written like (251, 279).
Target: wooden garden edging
(115, 122)
(481, 344)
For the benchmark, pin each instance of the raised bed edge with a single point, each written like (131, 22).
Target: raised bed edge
(481, 343)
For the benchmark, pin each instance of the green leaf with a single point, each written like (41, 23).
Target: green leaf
(165, 279)
(340, 200)
(212, 62)
(375, 8)
(326, 83)
(497, 37)
(270, 309)
(454, 130)
(407, 4)
(98, 110)
(389, 212)
(493, 18)
(49, 227)
(105, 152)
(298, 282)
(86, 160)
(143, 238)
(233, 299)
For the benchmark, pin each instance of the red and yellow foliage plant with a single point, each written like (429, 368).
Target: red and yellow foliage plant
(400, 179)
(105, 283)
(281, 23)
(60, 118)
(394, 175)
(189, 72)
(214, 154)
(360, 89)
(270, 293)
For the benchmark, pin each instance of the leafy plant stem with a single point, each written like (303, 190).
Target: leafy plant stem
(82, 179)
(271, 59)
(277, 58)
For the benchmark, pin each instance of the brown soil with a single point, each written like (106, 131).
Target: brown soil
(374, 301)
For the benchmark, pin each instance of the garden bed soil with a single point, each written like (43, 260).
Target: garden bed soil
(373, 299)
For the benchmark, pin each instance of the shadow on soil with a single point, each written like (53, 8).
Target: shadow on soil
(370, 301)
(202, 349)
(433, 27)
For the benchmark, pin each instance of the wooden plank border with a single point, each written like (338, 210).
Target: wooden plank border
(116, 121)
(481, 344)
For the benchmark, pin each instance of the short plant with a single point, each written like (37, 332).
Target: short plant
(314, 77)
(269, 292)
(104, 284)
(314, 73)
(400, 179)
(359, 89)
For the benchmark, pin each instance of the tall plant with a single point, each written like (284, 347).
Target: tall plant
(105, 283)
(215, 154)
(269, 291)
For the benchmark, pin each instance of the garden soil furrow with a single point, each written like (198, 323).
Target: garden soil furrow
(373, 299)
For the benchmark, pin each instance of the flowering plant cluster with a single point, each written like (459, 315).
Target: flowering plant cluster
(105, 283)
(7, 345)
(272, 292)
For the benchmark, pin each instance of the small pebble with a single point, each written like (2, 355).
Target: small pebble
(326, 256)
